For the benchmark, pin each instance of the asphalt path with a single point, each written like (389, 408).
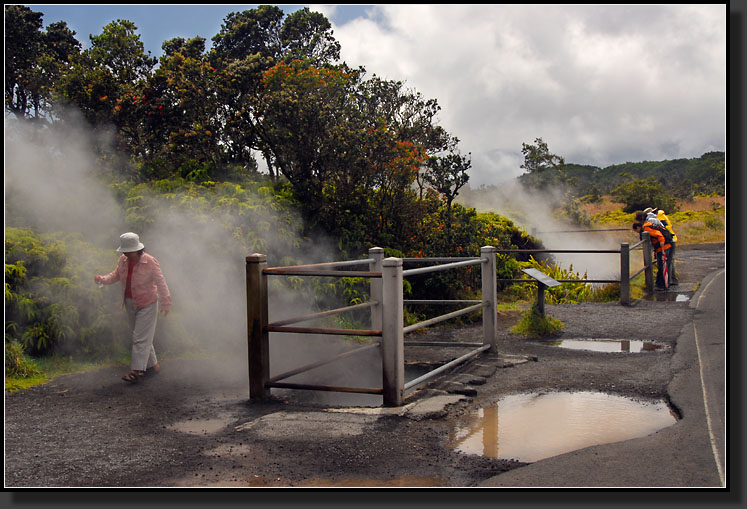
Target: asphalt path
(692, 452)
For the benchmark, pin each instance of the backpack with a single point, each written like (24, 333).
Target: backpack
(667, 234)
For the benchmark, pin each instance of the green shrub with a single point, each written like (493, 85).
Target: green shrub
(51, 303)
(17, 363)
(533, 324)
(639, 194)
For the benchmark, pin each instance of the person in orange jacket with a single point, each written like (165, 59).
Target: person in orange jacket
(661, 246)
(661, 216)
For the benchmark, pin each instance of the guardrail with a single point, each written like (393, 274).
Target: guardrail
(387, 305)
(624, 252)
(387, 310)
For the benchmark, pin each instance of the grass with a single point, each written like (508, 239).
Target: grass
(48, 368)
(699, 221)
(532, 324)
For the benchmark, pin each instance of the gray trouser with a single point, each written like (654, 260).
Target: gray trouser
(143, 329)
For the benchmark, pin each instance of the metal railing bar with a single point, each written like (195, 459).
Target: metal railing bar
(587, 231)
(438, 260)
(330, 388)
(366, 261)
(588, 251)
(320, 363)
(638, 272)
(429, 302)
(331, 273)
(441, 343)
(446, 266)
(318, 330)
(636, 245)
(562, 280)
(322, 314)
(448, 365)
(442, 318)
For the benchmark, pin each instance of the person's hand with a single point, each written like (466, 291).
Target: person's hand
(165, 312)
(97, 279)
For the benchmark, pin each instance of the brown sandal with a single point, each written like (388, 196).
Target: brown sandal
(133, 376)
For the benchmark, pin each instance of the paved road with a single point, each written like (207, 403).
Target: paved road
(689, 454)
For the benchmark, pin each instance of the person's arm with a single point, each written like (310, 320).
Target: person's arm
(110, 278)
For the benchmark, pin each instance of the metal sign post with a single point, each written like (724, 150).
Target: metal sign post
(543, 282)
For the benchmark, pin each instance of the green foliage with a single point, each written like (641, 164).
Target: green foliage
(533, 324)
(680, 178)
(17, 363)
(34, 60)
(566, 293)
(51, 303)
(642, 193)
(614, 217)
(259, 216)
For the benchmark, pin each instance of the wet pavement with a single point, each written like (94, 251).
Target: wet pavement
(688, 453)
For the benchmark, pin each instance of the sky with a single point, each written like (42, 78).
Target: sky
(600, 84)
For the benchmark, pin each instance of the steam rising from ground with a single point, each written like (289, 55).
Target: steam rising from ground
(50, 182)
(51, 185)
(533, 211)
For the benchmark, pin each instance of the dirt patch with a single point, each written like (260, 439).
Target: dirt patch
(189, 427)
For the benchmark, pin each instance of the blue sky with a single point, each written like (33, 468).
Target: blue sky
(601, 84)
(159, 23)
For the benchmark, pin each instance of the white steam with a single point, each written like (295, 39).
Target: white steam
(52, 184)
(533, 211)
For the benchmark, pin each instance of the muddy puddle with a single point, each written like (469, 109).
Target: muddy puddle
(531, 427)
(670, 296)
(611, 345)
(201, 426)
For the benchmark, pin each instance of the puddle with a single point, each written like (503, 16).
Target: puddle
(201, 426)
(611, 345)
(670, 296)
(530, 427)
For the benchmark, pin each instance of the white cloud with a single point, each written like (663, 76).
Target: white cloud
(600, 84)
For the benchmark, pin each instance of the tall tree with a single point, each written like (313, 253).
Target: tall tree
(34, 60)
(106, 75)
(538, 159)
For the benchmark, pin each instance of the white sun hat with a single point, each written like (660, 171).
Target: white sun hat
(129, 242)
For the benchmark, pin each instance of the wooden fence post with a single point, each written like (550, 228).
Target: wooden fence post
(377, 253)
(489, 296)
(256, 320)
(625, 273)
(393, 338)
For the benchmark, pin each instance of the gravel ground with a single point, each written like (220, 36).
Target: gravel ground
(192, 424)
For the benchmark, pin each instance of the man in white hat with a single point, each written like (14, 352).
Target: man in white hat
(143, 287)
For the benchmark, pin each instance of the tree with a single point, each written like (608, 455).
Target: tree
(265, 31)
(639, 194)
(254, 31)
(538, 159)
(178, 108)
(34, 60)
(103, 77)
(307, 35)
(447, 175)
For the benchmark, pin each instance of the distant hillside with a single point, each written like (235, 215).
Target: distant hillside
(683, 178)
